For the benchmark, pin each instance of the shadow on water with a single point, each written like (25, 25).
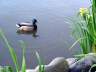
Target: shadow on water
(33, 33)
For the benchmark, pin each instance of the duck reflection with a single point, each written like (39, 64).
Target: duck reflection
(33, 33)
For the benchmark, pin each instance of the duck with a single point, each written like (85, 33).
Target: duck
(27, 26)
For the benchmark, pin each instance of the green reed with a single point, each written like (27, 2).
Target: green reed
(84, 29)
(11, 50)
(23, 46)
(92, 67)
(41, 66)
(15, 59)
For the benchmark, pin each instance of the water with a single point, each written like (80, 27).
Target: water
(53, 28)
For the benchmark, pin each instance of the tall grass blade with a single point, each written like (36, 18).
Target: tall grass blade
(41, 66)
(23, 46)
(23, 64)
(75, 43)
(11, 50)
(92, 68)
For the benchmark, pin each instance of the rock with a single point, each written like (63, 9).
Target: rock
(58, 64)
(71, 61)
(84, 64)
(30, 70)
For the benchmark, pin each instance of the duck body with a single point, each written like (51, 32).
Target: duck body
(27, 26)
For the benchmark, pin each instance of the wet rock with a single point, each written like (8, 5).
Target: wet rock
(71, 61)
(84, 64)
(30, 70)
(58, 64)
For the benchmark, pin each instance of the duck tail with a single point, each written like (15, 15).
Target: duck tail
(18, 25)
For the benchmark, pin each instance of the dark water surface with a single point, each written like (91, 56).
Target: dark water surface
(53, 30)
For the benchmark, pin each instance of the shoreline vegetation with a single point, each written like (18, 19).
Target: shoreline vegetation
(15, 58)
(83, 30)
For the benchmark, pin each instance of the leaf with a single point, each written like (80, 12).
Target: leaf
(8, 69)
(75, 43)
(41, 66)
(23, 64)
(11, 50)
(23, 46)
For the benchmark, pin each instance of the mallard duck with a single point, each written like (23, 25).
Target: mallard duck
(27, 26)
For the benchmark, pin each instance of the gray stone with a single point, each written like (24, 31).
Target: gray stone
(71, 61)
(58, 64)
(84, 64)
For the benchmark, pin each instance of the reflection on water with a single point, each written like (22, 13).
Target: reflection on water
(33, 33)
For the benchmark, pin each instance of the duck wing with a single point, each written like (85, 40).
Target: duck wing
(23, 24)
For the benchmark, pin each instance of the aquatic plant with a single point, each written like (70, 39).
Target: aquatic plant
(93, 68)
(23, 46)
(84, 29)
(11, 50)
(6, 69)
(15, 59)
(41, 66)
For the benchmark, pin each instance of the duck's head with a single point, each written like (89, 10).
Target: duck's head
(34, 21)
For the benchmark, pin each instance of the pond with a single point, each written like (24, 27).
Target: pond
(54, 33)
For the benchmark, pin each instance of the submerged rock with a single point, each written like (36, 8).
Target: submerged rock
(84, 64)
(58, 64)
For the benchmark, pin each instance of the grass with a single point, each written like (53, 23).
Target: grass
(15, 59)
(41, 66)
(84, 29)
(11, 50)
(92, 68)
(23, 46)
